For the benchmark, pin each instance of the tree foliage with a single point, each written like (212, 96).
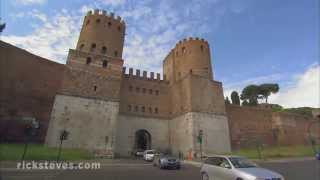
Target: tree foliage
(252, 93)
(265, 90)
(227, 101)
(235, 98)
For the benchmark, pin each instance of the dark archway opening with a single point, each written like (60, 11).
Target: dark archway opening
(142, 140)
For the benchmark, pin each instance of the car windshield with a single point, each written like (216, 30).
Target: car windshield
(242, 163)
(150, 152)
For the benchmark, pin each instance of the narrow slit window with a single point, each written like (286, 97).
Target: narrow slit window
(93, 47)
(115, 53)
(88, 61)
(104, 50)
(104, 63)
(156, 110)
(95, 88)
(81, 46)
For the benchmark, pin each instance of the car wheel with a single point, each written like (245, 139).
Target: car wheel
(204, 176)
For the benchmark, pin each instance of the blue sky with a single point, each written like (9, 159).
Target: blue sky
(252, 41)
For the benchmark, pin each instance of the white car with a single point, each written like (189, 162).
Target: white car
(235, 168)
(148, 155)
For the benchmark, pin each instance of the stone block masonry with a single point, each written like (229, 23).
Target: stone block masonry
(90, 122)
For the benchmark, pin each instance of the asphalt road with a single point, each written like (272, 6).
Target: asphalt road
(300, 170)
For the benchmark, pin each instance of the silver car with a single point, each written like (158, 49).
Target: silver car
(235, 168)
(166, 162)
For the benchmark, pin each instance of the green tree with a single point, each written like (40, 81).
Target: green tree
(227, 101)
(265, 90)
(250, 94)
(235, 98)
(245, 103)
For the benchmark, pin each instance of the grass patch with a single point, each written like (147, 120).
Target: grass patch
(277, 152)
(40, 152)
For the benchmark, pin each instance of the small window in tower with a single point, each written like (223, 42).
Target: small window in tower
(183, 50)
(150, 110)
(156, 110)
(98, 20)
(144, 90)
(177, 53)
(104, 63)
(81, 46)
(115, 53)
(201, 47)
(95, 88)
(137, 89)
(129, 108)
(88, 60)
(88, 22)
(143, 109)
(130, 88)
(136, 108)
(157, 92)
(104, 50)
(93, 46)
(119, 28)
(190, 71)
(150, 91)
(109, 24)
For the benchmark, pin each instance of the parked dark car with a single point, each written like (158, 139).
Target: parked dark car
(166, 162)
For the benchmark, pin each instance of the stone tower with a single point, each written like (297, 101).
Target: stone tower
(188, 56)
(102, 34)
(88, 100)
(197, 101)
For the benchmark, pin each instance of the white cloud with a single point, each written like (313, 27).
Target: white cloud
(153, 28)
(304, 92)
(239, 85)
(52, 38)
(29, 2)
(113, 2)
(299, 90)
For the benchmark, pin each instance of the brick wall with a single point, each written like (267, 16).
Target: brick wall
(28, 86)
(251, 124)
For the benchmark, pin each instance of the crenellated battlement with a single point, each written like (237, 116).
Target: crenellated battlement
(191, 40)
(102, 33)
(143, 74)
(110, 15)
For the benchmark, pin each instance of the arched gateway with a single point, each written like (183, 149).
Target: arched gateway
(142, 140)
